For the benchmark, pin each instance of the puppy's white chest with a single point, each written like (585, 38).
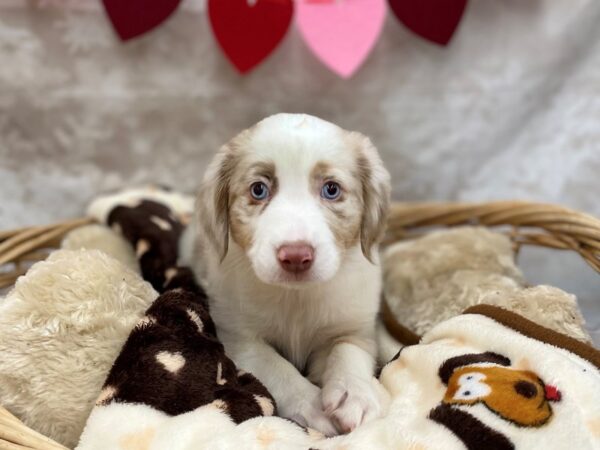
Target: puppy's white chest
(293, 326)
(299, 322)
(296, 330)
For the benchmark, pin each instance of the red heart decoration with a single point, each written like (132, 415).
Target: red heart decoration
(249, 30)
(435, 20)
(131, 18)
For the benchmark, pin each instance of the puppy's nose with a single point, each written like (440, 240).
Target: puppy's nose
(296, 257)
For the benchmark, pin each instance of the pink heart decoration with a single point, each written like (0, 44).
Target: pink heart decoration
(341, 33)
(435, 20)
(131, 18)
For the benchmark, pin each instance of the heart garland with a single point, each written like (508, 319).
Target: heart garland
(249, 30)
(435, 20)
(341, 33)
(132, 18)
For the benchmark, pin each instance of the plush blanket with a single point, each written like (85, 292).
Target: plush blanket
(487, 379)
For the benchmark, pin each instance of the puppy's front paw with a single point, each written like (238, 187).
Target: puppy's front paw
(306, 410)
(350, 401)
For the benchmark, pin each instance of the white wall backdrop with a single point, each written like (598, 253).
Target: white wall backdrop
(511, 109)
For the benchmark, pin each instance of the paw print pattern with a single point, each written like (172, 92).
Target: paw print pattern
(173, 360)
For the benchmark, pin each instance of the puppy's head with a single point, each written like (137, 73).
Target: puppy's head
(295, 193)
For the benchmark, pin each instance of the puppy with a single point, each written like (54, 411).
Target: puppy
(284, 239)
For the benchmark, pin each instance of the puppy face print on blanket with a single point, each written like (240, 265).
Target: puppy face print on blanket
(487, 379)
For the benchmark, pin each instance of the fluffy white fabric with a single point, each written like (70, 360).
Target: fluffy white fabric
(413, 382)
(99, 237)
(61, 328)
(434, 278)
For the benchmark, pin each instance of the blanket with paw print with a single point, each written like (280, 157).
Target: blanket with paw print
(487, 379)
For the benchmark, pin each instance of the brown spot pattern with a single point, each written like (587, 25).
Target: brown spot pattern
(137, 441)
(173, 360)
(243, 209)
(450, 365)
(474, 434)
(375, 192)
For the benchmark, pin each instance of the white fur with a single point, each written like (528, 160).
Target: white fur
(273, 326)
(295, 214)
(61, 328)
(303, 222)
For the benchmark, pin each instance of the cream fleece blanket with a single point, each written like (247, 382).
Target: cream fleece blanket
(486, 379)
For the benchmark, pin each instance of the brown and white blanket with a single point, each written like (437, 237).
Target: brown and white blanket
(487, 379)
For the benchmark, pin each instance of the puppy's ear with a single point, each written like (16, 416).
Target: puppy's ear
(375, 181)
(212, 206)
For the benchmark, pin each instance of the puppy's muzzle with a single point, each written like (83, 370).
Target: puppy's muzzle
(296, 257)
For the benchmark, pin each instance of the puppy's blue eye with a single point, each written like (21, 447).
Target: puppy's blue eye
(331, 191)
(259, 191)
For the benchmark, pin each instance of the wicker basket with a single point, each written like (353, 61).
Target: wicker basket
(526, 223)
